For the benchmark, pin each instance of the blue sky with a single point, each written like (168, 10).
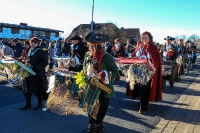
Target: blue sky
(160, 17)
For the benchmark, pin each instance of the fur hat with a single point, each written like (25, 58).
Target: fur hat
(76, 37)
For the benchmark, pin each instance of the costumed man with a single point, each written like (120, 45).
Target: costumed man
(37, 84)
(182, 51)
(118, 49)
(152, 91)
(192, 51)
(169, 53)
(77, 53)
(99, 62)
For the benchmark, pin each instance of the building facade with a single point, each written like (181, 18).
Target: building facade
(25, 32)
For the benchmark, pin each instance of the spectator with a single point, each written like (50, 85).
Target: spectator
(25, 51)
(52, 51)
(129, 48)
(66, 48)
(108, 47)
(43, 44)
(58, 47)
(7, 49)
(118, 49)
(18, 48)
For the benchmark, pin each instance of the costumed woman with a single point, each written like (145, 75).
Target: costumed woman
(153, 90)
(37, 84)
(99, 62)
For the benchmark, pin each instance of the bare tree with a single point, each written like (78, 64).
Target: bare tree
(183, 36)
(193, 37)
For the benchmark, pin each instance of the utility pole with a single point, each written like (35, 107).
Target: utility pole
(92, 23)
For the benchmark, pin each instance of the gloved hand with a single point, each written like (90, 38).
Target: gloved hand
(102, 76)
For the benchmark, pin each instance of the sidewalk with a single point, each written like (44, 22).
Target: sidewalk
(184, 115)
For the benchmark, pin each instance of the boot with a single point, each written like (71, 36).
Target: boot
(28, 102)
(94, 128)
(39, 106)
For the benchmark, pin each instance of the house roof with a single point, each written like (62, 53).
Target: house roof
(131, 32)
(83, 29)
(25, 26)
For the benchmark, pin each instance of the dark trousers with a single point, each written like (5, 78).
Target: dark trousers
(144, 96)
(174, 75)
(104, 102)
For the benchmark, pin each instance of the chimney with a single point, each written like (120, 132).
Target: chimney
(23, 24)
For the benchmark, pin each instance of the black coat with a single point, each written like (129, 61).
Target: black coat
(79, 50)
(38, 61)
(66, 48)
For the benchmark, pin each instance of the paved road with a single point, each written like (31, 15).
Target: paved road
(122, 115)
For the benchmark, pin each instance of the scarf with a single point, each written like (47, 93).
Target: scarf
(145, 48)
(98, 55)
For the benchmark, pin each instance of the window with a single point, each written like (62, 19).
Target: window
(39, 34)
(25, 34)
(6, 30)
(53, 34)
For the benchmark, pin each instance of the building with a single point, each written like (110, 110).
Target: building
(132, 33)
(23, 31)
(108, 29)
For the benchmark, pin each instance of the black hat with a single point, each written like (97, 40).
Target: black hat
(43, 40)
(76, 37)
(169, 38)
(96, 37)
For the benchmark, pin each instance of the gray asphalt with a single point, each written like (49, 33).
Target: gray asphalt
(122, 115)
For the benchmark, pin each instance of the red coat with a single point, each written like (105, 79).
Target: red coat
(156, 82)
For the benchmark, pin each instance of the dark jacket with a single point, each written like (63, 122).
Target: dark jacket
(38, 60)
(108, 48)
(174, 49)
(118, 52)
(43, 45)
(18, 50)
(66, 48)
(79, 50)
